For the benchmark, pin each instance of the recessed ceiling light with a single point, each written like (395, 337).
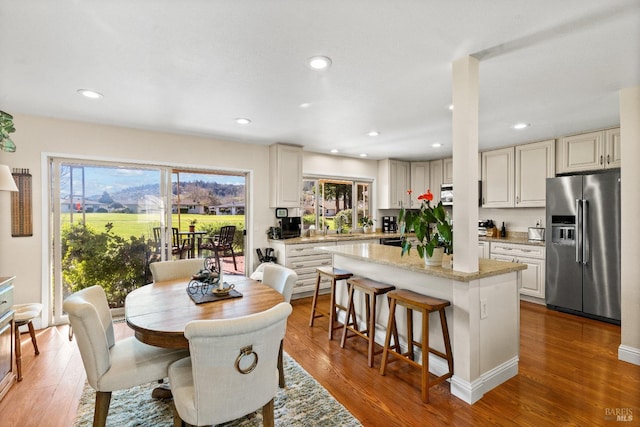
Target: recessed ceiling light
(319, 62)
(519, 126)
(436, 145)
(374, 133)
(304, 105)
(242, 121)
(334, 151)
(88, 93)
(451, 107)
(363, 155)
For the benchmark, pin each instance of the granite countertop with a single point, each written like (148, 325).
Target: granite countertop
(336, 238)
(520, 238)
(390, 255)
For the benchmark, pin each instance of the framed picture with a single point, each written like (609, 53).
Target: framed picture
(282, 212)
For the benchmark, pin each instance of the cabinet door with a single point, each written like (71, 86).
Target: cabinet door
(533, 277)
(435, 179)
(447, 171)
(612, 142)
(285, 163)
(498, 178)
(400, 181)
(483, 249)
(580, 152)
(419, 181)
(534, 164)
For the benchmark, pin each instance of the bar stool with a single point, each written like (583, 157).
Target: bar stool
(24, 314)
(334, 274)
(425, 304)
(371, 290)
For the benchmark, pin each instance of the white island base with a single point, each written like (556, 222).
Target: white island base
(483, 319)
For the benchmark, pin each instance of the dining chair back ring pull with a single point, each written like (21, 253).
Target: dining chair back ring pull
(247, 351)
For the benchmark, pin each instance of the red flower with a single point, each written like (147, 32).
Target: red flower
(426, 196)
(409, 191)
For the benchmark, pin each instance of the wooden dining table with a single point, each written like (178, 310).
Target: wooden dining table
(159, 312)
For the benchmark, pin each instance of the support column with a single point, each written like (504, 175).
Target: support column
(629, 349)
(465, 164)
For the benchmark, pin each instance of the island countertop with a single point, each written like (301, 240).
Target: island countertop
(337, 238)
(390, 255)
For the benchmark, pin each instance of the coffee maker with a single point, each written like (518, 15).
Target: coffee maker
(389, 224)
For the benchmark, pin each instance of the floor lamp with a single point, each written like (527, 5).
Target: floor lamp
(6, 179)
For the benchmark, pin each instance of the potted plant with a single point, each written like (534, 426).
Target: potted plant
(192, 225)
(432, 229)
(366, 223)
(6, 127)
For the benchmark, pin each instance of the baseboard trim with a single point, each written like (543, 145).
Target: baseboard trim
(629, 354)
(471, 392)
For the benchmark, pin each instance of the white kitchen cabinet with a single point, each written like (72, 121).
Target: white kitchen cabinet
(304, 259)
(498, 178)
(447, 171)
(483, 250)
(533, 278)
(419, 182)
(589, 151)
(393, 182)
(285, 173)
(436, 176)
(534, 164)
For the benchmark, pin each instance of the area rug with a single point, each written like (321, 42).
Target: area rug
(304, 402)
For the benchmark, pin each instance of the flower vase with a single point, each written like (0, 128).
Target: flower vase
(192, 228)
(435, 259)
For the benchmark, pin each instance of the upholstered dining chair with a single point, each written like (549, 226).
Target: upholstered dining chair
(112, 365)
(178, 269)
(24, 315)
(232, 370)
(282, 280)
(222, 243)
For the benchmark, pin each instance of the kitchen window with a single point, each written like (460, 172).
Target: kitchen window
(335, 204)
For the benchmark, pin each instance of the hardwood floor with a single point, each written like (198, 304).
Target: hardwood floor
(569, 375)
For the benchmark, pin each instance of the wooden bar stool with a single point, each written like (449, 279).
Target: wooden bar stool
(24, 314)
(334, 274)
(425, 304)
(371, 290)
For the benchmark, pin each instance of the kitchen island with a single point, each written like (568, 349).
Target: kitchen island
(484, 316)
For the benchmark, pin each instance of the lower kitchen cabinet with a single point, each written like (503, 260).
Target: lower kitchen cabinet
(483, 250)
(304, 259)
(7, 375)
(534, 256)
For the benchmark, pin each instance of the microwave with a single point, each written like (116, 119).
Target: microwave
(446, 194)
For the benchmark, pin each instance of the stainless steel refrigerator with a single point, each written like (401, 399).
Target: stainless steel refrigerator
(583, 248)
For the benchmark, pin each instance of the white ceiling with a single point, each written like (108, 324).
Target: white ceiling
(193, 66)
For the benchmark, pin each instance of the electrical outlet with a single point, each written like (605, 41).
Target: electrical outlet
(483, 308)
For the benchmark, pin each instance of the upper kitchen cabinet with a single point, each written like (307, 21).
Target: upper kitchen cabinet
(285, 172)
(436, 175)
(393, 183)
(589, 151)
(447, 171)
(534, 164)
(419, 182)
(498, 178)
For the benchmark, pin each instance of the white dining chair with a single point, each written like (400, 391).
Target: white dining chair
(112, 365)
(232, 370)
(281, 279)
(178, 269)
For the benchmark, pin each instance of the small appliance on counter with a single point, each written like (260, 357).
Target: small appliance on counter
(290, 227)
(389, 224)
(536, 233)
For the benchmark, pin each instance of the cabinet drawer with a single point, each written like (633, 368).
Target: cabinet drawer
(6, 299)
(308, 262)
(294, 251)
(516, 250)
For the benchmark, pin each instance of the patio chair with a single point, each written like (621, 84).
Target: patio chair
(221, 244)
(178, 247)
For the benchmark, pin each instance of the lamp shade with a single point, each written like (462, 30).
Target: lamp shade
(6, 179)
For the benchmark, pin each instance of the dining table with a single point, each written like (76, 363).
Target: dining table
(195, 241)
(158, 312)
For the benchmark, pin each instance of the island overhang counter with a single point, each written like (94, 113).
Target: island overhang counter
(483, 319)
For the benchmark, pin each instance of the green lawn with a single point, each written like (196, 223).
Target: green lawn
(127, 225)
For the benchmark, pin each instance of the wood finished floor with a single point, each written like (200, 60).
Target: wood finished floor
(569, 374)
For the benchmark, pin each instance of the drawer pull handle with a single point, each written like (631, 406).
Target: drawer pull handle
(4, 302)
(326, 263)
(299, 265)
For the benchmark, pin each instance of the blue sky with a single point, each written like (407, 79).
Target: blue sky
(113, 180)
